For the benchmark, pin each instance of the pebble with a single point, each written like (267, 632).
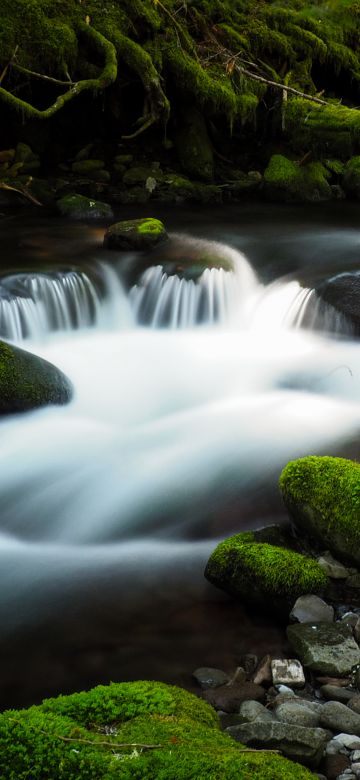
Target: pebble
(287, 671)
(349, 741)
(208, 677)
(254, 710)
(312, 609)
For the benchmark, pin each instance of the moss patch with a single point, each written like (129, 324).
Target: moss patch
(27, 381)
(285, 180)
(68, 739)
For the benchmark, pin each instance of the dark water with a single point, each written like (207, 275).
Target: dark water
(152, 619)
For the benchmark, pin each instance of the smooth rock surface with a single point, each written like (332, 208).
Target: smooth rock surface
(287, 671)
(332, 567)
(335, 715)
(312, 609)
(324, 647)
(298, 713)
(208, 677)
(254, 710)
(335, 693)
(305, 745)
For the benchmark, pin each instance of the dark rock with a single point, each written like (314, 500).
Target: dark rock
(135, 234)
(333, 765)
(299, 743)
(335, 693)
(208, 677)
(80, 207)
(325, 647)
(343, 293)
(28, 382)
(229, 697)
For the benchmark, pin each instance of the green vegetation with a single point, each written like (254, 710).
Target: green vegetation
(27, 381)
(150, 226)
(263, 573)
(323, 497)
(136, 731)
(79, 207)
(285, 180)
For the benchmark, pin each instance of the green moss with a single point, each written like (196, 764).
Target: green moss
(285, 180)
(263, 573)
(351, 178)
(152, 226)
(80, 207)
(323, 496)
(68, 739)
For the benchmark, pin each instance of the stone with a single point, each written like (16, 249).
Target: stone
(355, 755)
(135, 234)
(335, 693)
(354, 703)
(79, 207)
(263, 673)
(340, 682)
(87, 167)
(350, 618)
(298, 713)
(208, 677)
(332, 567)
(324, 647)
(335, 715)
(254, 710)
(287, 671)
(348, 741)
(7, 155)
(335, 746)
(299, 743)
(229, 697)
(28, 382)
(357, 631)
(312, 609)
(333, 765)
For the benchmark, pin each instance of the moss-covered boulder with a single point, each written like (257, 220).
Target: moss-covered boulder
(132, 731)
(80, 207)
(28, 381)
(351, 178)
(193, 146)
(285, 180)
(135, 234)
(322, 495)
(263, 574)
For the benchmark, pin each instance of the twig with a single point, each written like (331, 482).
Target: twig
(41, 75)
(93, 742)
(24, 193)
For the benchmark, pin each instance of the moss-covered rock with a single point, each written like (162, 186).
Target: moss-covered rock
(351, 178)
(132, 731)
(322, 495)
(193, 146)
(87, 167)
(263, 574)
(28, 381)
(287, 181)
(80, 207)
(135, 234)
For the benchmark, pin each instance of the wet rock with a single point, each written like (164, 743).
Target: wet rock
(299, 743)
(135, 234)
(254, 710)
(333, 765)
(334, 693)
(263, 673)
(324, 647)
(229, 697)
(28, 382)
(208, 677)
(350, 618)
(343, 293)
(287, 671)
(298, 713)
(348, 741)
(80, 207)
(335, 716)
(332, 567)
(312, 609)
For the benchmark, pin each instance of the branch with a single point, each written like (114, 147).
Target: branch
(282, 87)
(5, 70)
(107, 76)
(41, 75)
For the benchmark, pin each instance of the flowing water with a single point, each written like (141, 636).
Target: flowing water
(190, 397)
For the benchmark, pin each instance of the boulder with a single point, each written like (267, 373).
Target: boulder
(285, 180)
(261, 574)
(80, 207)
(342, 292)
(135, 234)
(328, 648)
(322, 495)
(300, 743)
(28, 382)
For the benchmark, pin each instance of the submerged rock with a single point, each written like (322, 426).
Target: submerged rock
(258, 573)
(343, 293)
(135, 234)
(322, 495)
(80, 207)
(27, 381)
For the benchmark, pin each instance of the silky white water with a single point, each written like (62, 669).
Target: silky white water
(173, 426)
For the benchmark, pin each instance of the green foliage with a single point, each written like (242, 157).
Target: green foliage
(68, 739)
(256, 571)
